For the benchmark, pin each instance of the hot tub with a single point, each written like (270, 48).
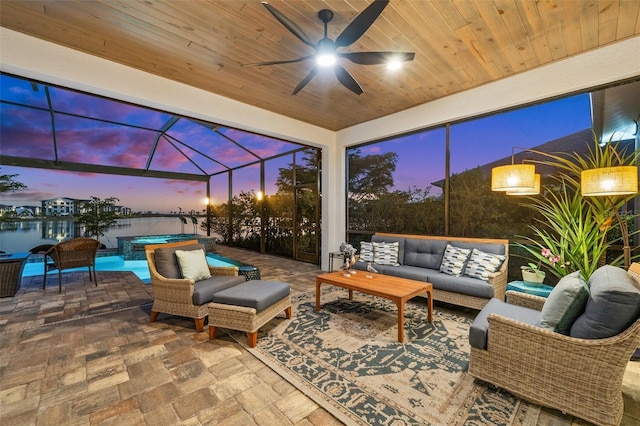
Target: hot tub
(132, 248)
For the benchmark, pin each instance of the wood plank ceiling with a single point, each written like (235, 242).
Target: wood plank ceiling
(459, 45)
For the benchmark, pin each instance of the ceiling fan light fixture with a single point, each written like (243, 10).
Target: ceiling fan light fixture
(394, 65)
(325, 59)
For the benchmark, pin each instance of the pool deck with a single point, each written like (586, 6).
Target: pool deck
(89, 356)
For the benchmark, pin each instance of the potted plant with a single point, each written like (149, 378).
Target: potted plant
(533, 275)
(573, 226)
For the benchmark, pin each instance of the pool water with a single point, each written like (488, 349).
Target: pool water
(117, 264)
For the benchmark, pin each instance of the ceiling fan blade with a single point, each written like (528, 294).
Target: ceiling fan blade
(375, 58)
(361, 23)
(289, 61)
(290, 25)
(347, 80)
(305, 81)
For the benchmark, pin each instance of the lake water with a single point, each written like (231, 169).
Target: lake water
(23, 236)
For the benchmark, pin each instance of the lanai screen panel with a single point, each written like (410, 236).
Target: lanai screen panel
(26, 132)
(206, 142)
(89, 106)
(262, 146)
(81, 140)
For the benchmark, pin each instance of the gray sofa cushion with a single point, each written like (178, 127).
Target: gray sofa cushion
(253, 294)
(462, 285)
(485, 247)
(479, 330)
(409, 272)
(424, 253)
(613, 305)
(384, 239)
(166, 262)
(204, 290)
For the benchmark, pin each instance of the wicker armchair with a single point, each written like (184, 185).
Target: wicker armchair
(582, 377)
(174, 296)
(74, 253)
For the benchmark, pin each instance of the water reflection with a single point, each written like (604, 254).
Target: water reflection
(26, 234)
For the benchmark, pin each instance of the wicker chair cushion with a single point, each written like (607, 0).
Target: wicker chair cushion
(253, 294)
(166, 263)
(193, 264)
(204, 290)
(565, 303)
(480, 326)
(613, 305)
(424, 253)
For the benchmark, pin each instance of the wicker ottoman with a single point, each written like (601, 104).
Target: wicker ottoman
(248, 306)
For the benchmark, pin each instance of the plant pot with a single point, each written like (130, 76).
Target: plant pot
(530, 277)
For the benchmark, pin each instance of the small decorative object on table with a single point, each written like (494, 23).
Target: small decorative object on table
(349, 254)
(370, 270)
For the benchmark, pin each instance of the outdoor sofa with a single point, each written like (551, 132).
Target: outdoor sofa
(464, 271)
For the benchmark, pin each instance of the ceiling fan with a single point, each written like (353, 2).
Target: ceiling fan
(326, 49)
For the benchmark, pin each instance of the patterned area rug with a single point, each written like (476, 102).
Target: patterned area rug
(347, 359)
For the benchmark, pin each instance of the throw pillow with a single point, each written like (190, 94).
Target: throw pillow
(480, 265)
(565, 303)
(454, 260)
(193, 264)
(613, 305)
(166, 261)
(386, 253)
(366, 252)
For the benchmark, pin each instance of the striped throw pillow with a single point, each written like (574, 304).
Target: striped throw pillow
(481, 264)
(454, 260)
(366, 252)
(386, 253)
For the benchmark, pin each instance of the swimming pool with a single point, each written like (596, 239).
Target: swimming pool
(117, 263)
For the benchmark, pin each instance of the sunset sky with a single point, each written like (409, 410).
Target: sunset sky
(27, 132)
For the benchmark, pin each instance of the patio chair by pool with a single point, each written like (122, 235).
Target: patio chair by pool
(74, 253)
(175, 295)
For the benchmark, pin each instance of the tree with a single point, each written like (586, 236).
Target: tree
(98, 215)
(9, 184)
(371, 175)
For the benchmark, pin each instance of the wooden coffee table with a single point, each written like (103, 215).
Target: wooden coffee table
(398, 290)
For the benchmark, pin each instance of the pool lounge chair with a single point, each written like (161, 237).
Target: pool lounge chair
(179, 296)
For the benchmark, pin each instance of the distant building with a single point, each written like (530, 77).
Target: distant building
(28, 210)
(62, 206)
(4, 209)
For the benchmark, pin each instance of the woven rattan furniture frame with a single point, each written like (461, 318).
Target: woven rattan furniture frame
(245, 319)
(175, 296)
(11, 266)
(582, 377)
(73, 253)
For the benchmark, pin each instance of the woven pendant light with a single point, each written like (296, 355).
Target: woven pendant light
(619, 180)
(513, 177)
(527, 191)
